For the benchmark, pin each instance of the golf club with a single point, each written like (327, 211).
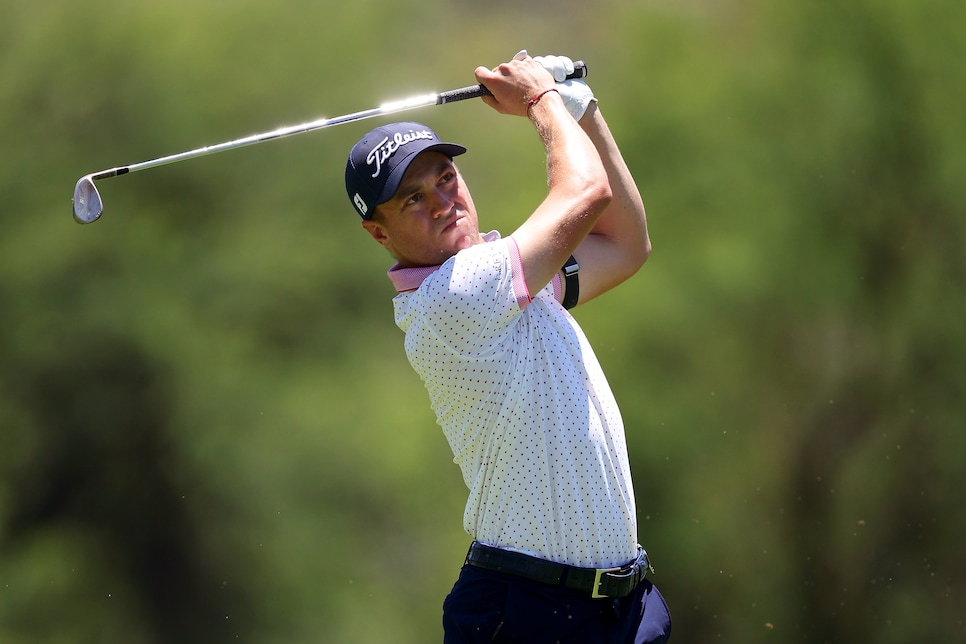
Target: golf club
(87, 203)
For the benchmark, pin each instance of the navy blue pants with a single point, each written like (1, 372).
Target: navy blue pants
(490, 606)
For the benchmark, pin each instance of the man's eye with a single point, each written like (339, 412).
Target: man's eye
(414, 199)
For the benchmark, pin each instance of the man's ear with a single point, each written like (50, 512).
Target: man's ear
(377, 232)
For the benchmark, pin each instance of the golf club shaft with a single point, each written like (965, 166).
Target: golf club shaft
(87, 202)
(451, 96)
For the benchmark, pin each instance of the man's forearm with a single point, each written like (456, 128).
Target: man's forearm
(623, 221)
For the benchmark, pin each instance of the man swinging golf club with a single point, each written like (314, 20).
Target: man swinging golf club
(515, 385)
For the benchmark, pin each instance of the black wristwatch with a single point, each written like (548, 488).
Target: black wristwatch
(572, 291)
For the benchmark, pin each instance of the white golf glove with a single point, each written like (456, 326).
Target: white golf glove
(576, 94)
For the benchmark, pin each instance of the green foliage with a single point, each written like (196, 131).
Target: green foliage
(208, 428)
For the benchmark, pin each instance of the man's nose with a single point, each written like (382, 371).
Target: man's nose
(441, 203)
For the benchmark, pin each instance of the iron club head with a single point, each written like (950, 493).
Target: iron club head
(87, 201)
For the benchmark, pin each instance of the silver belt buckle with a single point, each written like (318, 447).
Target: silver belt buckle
(597, 575)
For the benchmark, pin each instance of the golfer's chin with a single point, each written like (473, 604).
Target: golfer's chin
(459, 235)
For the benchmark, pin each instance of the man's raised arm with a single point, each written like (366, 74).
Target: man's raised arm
(579, 188)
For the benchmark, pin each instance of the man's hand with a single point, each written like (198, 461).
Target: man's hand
(576, 94)
(514, 83)
(560, 67)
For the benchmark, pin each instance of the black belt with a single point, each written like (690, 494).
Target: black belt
(597, 582)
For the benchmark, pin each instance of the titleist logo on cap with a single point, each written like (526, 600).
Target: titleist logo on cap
(388, 147)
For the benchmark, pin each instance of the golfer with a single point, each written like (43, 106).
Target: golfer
(513, 381)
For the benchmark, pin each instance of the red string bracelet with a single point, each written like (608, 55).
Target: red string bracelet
(533, 101)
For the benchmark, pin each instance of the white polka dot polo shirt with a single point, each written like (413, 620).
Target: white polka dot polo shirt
(525, 406)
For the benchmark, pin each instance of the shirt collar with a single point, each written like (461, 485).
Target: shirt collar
(409, 279)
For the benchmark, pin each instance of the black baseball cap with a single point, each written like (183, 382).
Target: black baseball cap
(379, 160)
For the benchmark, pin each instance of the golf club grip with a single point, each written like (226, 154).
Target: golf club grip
(476, 91)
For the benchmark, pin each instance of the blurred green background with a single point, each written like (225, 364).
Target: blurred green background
(208, 428)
